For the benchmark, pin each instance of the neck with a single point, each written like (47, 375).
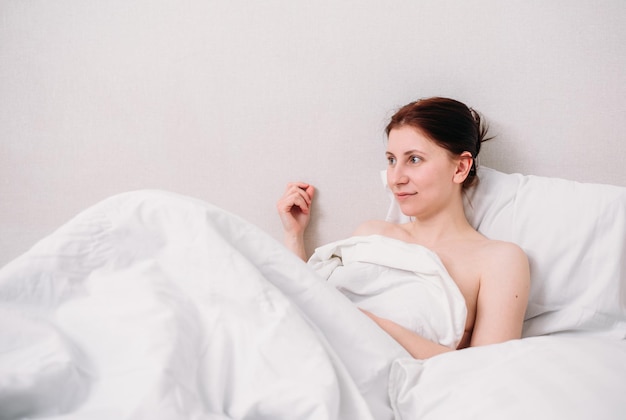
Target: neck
(447, 224)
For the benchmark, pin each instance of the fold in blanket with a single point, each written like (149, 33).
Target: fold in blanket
(405, 283)
(151, 305)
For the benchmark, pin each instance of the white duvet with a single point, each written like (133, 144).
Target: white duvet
(403, 282)
(156, 306)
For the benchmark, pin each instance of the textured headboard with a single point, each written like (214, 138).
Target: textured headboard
(229, 100)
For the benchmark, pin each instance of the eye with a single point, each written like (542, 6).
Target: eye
(391, 160)
(415, 159)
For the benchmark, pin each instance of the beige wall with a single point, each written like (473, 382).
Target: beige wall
(228, 100)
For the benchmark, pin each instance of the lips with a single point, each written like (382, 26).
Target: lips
(404, 195)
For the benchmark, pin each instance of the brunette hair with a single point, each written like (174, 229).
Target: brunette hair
(449, 123)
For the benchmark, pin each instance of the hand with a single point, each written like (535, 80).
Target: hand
(378, 320)
(416, 345)
(294, 207)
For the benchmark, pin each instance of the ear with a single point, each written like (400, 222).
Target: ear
(463, 165)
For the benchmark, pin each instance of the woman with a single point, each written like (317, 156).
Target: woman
(431, 152)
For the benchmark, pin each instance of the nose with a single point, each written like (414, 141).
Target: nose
(396, 176)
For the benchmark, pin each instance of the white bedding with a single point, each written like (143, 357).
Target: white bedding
(549, 377)
(152, 305)
(403, 282)
(155, 306)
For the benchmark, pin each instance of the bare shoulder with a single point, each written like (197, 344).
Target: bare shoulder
(503, 249)
(377, 227)
(504, 260)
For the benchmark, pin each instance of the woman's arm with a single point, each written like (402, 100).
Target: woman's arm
(417, 346)
(501, 304)
(294, 209)
(502, 295)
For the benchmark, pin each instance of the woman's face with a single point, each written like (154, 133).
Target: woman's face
(420, 173)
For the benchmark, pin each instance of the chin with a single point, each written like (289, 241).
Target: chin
(408, 211)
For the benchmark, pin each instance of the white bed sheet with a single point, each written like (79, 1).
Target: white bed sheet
(405, 283)
(577, 377)
(153, 305)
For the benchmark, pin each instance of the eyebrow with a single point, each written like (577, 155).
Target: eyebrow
(408, 152)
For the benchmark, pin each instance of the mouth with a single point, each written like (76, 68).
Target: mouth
(400, 196)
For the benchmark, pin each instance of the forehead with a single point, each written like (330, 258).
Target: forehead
(406, 138)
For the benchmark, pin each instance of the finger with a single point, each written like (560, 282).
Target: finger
(295, 198)
(310, 190)
(300, 185)
(302, 201)
(304, 190)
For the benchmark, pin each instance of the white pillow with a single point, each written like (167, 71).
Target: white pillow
(575, 237)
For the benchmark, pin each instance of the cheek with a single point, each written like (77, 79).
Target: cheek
(430, 181)
(426, 175)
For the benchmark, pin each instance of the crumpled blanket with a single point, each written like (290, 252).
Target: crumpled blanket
(152, 305)
(405, 283)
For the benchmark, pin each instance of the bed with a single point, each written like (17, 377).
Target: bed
(152, 304)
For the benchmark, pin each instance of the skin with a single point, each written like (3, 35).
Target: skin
(426, 179)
